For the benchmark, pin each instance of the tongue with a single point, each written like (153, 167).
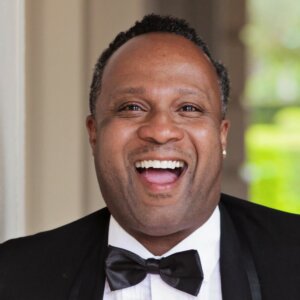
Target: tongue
(162, 176)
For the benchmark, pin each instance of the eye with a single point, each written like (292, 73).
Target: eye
(189, 108)
(130, 107)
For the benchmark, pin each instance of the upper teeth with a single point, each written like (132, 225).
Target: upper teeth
(159, 164)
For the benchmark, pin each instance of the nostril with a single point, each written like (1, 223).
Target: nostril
(160, 133)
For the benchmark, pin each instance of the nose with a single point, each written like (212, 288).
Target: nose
(160, 128)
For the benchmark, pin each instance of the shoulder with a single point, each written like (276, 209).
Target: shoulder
(52, 255)
(273, 239)
(258, 216)
(66, 235)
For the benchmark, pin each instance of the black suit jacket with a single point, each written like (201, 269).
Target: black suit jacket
(68, 263)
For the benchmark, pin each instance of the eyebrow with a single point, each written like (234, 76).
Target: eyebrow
(142, 91)
(129, 90)
(190, 91)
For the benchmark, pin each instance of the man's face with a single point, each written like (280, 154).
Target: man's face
(158, 135)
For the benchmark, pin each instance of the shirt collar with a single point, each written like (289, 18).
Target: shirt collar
(205, 239)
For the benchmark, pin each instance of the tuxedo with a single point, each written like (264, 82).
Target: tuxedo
(259, 256)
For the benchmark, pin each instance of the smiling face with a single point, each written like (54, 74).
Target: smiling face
(158, 135)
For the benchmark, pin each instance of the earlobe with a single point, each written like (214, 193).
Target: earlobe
(92, 131)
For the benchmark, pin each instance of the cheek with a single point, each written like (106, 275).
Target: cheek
(112, 143)
(109, 160)
(206, 136)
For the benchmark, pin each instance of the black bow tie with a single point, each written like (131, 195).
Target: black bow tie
(181, 270)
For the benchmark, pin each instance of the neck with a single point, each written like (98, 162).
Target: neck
(158, 242)
(159, 245)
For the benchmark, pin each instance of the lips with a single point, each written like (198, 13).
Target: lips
(160, 172)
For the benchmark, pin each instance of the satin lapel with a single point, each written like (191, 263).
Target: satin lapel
(234, 280)
(90, 280)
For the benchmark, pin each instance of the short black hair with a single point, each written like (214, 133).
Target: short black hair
(156, 23)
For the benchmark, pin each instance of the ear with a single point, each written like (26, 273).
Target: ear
(224, 129)
(92, 131)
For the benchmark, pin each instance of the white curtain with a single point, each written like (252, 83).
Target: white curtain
(12, 124)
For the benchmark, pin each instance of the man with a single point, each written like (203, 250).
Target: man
(158, 134)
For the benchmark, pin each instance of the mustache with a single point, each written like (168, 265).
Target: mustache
(163, 149)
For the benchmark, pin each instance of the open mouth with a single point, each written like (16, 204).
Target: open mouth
(160, 171)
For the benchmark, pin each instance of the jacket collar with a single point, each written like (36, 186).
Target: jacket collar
(234, 279)
(90, 280)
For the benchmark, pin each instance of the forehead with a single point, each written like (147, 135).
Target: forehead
(158, 46)
(161, 58)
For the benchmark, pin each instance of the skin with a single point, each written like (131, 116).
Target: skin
(160, 99)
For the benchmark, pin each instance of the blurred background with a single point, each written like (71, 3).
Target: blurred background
(47, 52)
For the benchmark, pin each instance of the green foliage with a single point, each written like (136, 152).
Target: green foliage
(274, 161)
(273, 39)
(273, 140)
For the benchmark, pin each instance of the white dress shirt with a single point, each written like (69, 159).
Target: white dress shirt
(206, 240)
